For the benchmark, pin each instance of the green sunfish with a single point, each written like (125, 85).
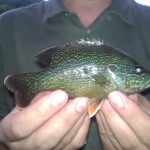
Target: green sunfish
(81, 70)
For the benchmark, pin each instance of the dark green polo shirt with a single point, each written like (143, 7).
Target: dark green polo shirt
(26, 31)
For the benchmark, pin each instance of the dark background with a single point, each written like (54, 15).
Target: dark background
(12, 4)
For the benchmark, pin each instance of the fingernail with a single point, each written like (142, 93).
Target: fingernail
(57, 98)
(81, 105)
(116, 99)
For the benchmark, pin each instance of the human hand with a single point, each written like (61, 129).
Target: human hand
(124, 122)
(49, 122)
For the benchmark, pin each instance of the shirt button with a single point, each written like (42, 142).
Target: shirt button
(109, 18)
(66, 14)
(88, 31)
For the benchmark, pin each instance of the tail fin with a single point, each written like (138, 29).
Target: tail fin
(21, 87)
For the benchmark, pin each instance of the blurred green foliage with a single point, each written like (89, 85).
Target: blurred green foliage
(12, 4)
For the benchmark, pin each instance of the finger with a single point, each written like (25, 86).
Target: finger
(70, 134)
(107, 137)
(133, 115)
(119, 128)
(23, 123)
(3, 146)
(57, 127)
(67, 140)
(80, 138)
(39, 95)
(29, 142)
(141, 101)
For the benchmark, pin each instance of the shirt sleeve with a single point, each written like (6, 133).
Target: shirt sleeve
(6, 100)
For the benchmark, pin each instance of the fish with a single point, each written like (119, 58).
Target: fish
(81, 70)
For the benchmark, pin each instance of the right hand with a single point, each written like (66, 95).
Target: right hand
(49, 122)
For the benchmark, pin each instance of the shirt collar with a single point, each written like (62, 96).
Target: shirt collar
(122, 8)
(53, 7)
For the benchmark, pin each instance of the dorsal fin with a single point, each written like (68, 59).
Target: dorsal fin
(46, 55)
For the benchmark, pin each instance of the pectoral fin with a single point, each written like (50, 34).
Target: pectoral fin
(94, 105)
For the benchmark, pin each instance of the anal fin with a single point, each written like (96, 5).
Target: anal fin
(94, 105)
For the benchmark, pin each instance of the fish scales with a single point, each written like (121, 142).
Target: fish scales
(81, 70)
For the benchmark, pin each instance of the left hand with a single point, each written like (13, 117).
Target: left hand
(124, 122)
(51, 121)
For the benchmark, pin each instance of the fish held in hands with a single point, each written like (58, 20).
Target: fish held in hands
(81, 70)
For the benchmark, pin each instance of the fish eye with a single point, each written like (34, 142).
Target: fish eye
(138, 69)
